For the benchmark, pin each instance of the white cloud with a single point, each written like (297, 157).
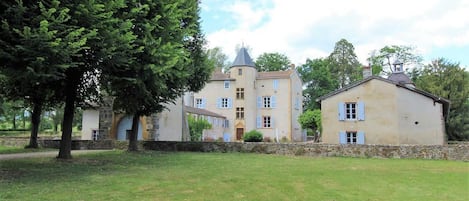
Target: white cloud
(309, 29)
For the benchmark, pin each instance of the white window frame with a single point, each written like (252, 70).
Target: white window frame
(351, 111)
(351, 137)
(199, 103)
(266, 102)
(224, 103)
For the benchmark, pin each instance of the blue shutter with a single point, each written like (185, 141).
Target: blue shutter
(273, 102)
(226, 137)
(271, 122)
(275, 84)
(360, 137)
(341, 111)
(361, 111)
(204, 103)
(258, 121)
(229, 103)
(342, 137)
(259, 102)
(219, 102)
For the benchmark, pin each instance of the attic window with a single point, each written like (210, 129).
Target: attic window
(240, 71)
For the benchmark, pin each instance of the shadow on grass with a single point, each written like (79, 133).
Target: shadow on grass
(48, 169)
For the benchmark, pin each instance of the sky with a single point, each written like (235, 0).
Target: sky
(303, 29)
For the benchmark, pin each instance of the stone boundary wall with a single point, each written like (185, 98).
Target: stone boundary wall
(438, 152)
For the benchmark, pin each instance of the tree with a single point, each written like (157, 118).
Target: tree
(35, 48)
(448, 80)
(318, 79)
(311, 119)
(217, 58)
(381, 62)
(272, 62)
(344, 63)
(196, 127)
(166, 60)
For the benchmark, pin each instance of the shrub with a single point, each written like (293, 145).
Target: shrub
(253, 136)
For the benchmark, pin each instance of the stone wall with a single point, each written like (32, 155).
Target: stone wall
(447, 152)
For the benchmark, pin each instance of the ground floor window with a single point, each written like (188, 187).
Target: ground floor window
(351, 137)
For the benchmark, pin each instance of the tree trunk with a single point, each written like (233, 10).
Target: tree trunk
(35, 121)
(14, 121)
(133, 137)
(67, 123)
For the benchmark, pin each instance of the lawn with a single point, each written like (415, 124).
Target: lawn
(118, 175)
(13, 150)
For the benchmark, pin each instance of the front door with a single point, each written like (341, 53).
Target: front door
(239, 133)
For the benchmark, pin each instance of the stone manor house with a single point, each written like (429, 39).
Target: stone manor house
(234, 102)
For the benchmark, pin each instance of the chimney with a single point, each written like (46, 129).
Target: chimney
(366, 71)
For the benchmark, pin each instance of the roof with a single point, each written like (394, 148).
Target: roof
(274, 75)
(200, 111)
(243, 59)
(438, 99)
(219, 76)
(400, 77)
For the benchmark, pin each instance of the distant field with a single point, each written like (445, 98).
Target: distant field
(118, 175)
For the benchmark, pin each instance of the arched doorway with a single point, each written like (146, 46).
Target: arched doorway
(124, 127)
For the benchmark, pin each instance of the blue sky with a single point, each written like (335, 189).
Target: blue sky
(304, 29)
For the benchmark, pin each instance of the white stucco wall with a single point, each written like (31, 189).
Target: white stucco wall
(90, 121)
(170, 122)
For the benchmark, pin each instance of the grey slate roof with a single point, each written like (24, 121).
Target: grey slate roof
(400, 77)
(243, 59)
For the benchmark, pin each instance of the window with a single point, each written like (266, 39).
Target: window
(199, 103)
(240, 113)
(266, 101)
(227, 84)
(224, 102)
(239, 93)
(350, 111)
(275, 84)
(240, 71)
(266, 122)
(351, 137)
(297, 103)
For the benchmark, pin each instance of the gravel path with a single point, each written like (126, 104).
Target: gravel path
(44, 154)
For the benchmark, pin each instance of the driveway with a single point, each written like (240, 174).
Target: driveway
(44, 154)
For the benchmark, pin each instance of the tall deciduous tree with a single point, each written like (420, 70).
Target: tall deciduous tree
(167, 60)
(217, 58)
(344, 63)
(449, 80)
(318, 80)
(36, 47)
(272, 62)
(382, 60)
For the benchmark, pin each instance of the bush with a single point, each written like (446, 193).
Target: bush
(253, 136)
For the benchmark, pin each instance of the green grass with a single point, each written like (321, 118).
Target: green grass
(14, 150)
(118, 175)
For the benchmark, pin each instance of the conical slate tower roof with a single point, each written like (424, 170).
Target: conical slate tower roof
(243, 59)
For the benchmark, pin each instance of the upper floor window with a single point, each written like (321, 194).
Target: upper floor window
(240, 71)
(240, 113)
(200, 103)
(351, 111)
(266, 101)
(239, 93)
(226, 84)
(275, 84)
(224, 102)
